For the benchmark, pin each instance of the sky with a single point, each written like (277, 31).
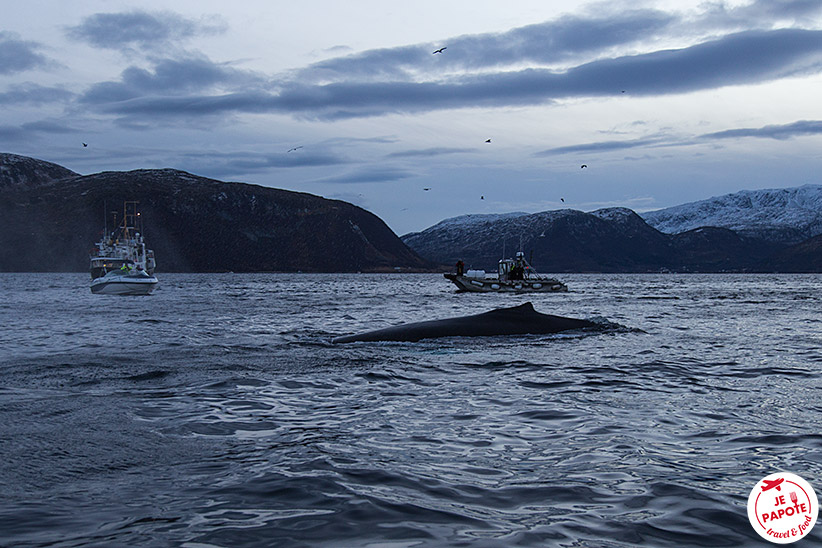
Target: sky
(664, 102)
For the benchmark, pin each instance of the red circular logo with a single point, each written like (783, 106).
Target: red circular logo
(782, 508)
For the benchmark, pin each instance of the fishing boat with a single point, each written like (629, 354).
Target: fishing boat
(513, 275)
(120, 262)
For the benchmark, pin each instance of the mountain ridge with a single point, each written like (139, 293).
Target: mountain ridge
(23, 172)
(50, 216)
(607, 240)
(193, 223)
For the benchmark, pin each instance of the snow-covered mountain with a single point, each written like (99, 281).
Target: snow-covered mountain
(751, 231)
(785, 215)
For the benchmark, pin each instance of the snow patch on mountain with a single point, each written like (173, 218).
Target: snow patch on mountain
(470, 220)
(23, 172)
(786, 214)
(614, 213)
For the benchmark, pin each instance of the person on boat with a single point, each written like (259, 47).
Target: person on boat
(124, 268)
(518, 270)
(460, 267)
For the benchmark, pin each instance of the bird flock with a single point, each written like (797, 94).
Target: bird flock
(437, 51)
(442, 49)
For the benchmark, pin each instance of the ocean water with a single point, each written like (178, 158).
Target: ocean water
(216, 412)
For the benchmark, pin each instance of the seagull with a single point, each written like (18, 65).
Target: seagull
(426, 189)
(583, 166)
(85, 144)
(295, 148)
(488, 140)
(562, 199)
(440, 50)
(482, 197)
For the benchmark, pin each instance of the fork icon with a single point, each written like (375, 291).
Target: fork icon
(793, 497)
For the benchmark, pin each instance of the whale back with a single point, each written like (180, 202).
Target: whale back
(515, 320)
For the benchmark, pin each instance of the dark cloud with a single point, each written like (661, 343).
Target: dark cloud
(141, 29)
(602, 146)
(18, 55)
(786, 131)
(781, 132)
(555, 44)
(544, 43)
(216, 164)
(760, 13)
(13, 134)
(29, 131)
(382, 140)
(34, 94)
(377, 174)
(48, 126)
(429, 152)
(170, 77)
(742, 58)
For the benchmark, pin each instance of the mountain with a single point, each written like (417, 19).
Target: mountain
(787, 215)
(714, 249)
(24, 172)
(50, 217)
(756, 231)
(606, 240)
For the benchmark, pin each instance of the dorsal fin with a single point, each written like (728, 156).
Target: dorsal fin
(523, 308)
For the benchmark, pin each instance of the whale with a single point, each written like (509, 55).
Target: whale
(516, 320)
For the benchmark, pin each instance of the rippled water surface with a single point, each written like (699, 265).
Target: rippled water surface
(217, 413)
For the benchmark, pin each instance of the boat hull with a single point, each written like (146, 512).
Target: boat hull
(142, 286)
(491, 285)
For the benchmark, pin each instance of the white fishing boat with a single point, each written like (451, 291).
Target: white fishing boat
(513, 275)
(120, 262)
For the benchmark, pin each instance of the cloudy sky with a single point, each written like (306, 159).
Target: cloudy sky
(665, 102)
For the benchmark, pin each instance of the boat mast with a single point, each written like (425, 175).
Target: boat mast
(126, 216)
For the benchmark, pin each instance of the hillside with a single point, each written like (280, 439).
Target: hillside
(196, 224)
(802, 257)
(23, 172)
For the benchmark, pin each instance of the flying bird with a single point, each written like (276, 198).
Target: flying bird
(488, 140)
(440, 50)
(482, 197)
(426, 189)
(295, 148)
(583, 166)
(562, 199)
(85, 144)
